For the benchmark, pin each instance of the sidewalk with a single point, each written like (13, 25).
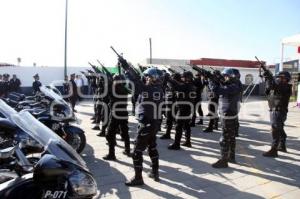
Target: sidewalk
(188, 173)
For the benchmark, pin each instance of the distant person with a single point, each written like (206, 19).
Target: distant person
(15, 84)
(66, 85)
(73, 92)
(79, 83)
(5, 85)
(36, 84)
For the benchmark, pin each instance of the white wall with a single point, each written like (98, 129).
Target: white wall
(47, 74)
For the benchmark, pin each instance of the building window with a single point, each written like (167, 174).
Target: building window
(249, 79)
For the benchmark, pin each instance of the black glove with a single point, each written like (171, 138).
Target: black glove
(123, 63)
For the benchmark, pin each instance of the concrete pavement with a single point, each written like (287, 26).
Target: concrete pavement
(188, 173)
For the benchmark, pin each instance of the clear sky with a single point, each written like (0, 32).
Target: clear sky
(184, 29)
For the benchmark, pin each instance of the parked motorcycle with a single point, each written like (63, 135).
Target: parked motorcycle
(52, 110)
(60, 172)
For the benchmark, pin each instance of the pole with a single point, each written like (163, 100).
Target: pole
(281, 61)
(150, 42)
(66, 37)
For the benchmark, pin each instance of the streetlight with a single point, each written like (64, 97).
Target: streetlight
(66, 36)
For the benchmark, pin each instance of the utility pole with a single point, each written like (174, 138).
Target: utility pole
(66, 37)
(150, 42)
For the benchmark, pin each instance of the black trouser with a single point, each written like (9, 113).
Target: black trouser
(199, 110)
(146, 138)
(213, 112)
(104, 117)
(227, 140)
(113, 127)
(169, 120)
(183, 120)
(98, 112)
(277, 121)
(73, 100)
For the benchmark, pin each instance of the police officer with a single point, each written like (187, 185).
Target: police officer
(15, 84)
(36, 84)
(278, 91)
(170, 100)
(186, 94)
(6, 85)
(73, 89)
(229, 91)
(148, 115)
(199, 89)
(213, 101)
(118, 118)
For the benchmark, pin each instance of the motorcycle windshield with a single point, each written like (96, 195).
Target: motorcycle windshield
(46, 137)
(50, 93)
(6, 110)
(58, 101)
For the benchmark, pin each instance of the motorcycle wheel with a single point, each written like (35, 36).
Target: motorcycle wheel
(77, 141)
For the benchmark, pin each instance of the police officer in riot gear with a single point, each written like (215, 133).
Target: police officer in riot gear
(170, 100)
(278, 92)
(186, 94)
(229, 91)
(118, 118)
(198, 82)
(148, 115)
(213, 103)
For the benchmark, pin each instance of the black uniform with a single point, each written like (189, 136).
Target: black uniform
(199, 89)
(74, 95)
(36, 86)
(15, 85)
(148, 115)
(229, 93)
(213, 102)
(185, 97)
(118, 119)
(278, 100)
(6, 88)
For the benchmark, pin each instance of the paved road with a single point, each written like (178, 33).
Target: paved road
(187, 173)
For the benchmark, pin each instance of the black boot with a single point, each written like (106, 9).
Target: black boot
(111, 154)
(222, 163)
(200, 122)
(165, 136)
(187, 144)
(174, 146)
(232, 158)
(137, 180)
(208, 130)
(192, 124)
(282, 147)
(127, 149)
(216, 123)
(154, 174)
(96, 128)
(271, 153)
(101, 134)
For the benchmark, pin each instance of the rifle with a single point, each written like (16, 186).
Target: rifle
(124, 64)
(267, 73)
(212, 76)
(182, 68)
(172, 71)
(105, 70)
(96, 69)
